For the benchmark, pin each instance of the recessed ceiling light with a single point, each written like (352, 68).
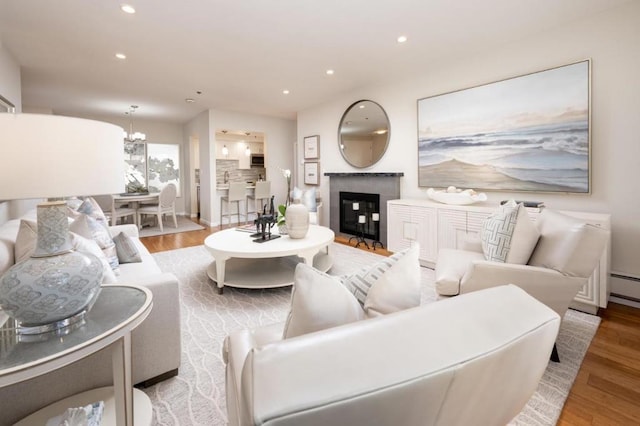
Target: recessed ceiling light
(402, 39)
(361, 106)
(127, 8)
(285, 91)
(189, 100)
(121, 56)
(330, 72)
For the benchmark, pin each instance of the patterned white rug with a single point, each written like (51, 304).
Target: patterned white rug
(197, 395)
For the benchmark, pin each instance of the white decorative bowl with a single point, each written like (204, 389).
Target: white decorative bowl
(456, 198)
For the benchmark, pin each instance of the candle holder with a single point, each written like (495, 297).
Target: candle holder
(359, 237)
(375, 218)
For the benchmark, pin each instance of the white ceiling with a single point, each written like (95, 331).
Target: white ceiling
(242, 53)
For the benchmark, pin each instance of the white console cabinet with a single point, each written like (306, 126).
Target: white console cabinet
(435, 226)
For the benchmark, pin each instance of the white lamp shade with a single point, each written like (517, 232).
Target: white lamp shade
(48, 156)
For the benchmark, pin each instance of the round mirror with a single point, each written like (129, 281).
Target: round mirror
(363, 134)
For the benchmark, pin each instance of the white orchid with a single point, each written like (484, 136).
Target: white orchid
(287, 175)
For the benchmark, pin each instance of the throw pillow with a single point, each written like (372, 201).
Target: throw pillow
(318, 302)
(308, 198)
(27, 239)
(508, 235)
(91, 208)
(126, 249)
(89, 227)
(568, 245)
(398, 288)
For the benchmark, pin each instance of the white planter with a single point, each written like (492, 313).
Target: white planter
(297, 219)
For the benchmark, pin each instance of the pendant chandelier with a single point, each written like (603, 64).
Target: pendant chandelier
(132, 136)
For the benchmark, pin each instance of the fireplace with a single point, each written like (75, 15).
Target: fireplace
(360, 214)
(386, 186)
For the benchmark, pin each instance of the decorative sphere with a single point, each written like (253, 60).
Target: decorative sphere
(452, 189)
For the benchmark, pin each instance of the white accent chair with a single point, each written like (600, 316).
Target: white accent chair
(564, 258)
(166, 205)
(469, 360)
(237, 193)
(260, 197)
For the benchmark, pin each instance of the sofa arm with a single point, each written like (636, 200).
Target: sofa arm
(156, 344)
(547, 285)
(129, 229)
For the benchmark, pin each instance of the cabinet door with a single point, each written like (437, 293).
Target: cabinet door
(452, 228)
(426, 219)
(400, 229)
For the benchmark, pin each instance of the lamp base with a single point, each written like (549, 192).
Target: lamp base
(59, 328)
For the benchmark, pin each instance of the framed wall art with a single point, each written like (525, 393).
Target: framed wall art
(527, 133)
(312, 173)
(312, 147)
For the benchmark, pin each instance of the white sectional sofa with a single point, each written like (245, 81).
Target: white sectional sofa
(155, 343)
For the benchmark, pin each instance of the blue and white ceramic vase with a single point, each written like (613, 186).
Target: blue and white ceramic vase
(297, 219)
(57, 282)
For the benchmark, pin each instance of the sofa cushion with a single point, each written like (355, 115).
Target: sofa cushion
(89, 227)
(307, 197)
(319, 301)
(126, 249)
(508, 235)
(451, 266)
(567, 244)
(361, 282)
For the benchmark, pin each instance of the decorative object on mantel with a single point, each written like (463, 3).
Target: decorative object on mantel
(455, 196)
(297, 218)
(56, 156)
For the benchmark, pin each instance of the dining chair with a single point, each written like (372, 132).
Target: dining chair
(237, 193)
(166, 204)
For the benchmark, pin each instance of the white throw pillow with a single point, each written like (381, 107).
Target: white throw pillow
(508, 235)
(318, 302)
(89, 227)
(126, 249)
(308, 198)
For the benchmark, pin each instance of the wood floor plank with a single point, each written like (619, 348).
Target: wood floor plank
(607, 388)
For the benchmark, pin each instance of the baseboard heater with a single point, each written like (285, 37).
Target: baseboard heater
(628, 278)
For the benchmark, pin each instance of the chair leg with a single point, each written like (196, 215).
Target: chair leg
(175, 220)
(554, 354)
(160, 221)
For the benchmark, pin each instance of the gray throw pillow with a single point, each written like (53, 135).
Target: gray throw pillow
(126, 249)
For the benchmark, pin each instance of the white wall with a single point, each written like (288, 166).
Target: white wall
(199, 130)
(611, 40)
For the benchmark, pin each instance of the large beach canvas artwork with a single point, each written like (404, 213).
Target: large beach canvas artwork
(528, 133)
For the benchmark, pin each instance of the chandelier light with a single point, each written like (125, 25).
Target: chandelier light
(132, 136)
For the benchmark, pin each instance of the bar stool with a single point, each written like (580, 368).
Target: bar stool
(261, 195)
(237, 193)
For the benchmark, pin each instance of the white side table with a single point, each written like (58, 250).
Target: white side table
(117, 311)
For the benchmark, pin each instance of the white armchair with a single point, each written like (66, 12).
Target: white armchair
(564, 258)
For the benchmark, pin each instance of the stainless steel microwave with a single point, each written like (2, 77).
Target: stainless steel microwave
(257, 160)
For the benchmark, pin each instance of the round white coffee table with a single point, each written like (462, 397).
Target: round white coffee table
(241, 262)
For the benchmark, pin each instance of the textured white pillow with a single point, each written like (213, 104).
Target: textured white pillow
(361, 282)
(308, 198)
(319, 301)
(508, 235)
(89, 227)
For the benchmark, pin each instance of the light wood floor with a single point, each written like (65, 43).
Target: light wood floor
(607, 389)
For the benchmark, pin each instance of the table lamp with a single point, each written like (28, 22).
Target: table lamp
(48, 156)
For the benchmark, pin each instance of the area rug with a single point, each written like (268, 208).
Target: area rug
(184, 225)
(197, 395)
